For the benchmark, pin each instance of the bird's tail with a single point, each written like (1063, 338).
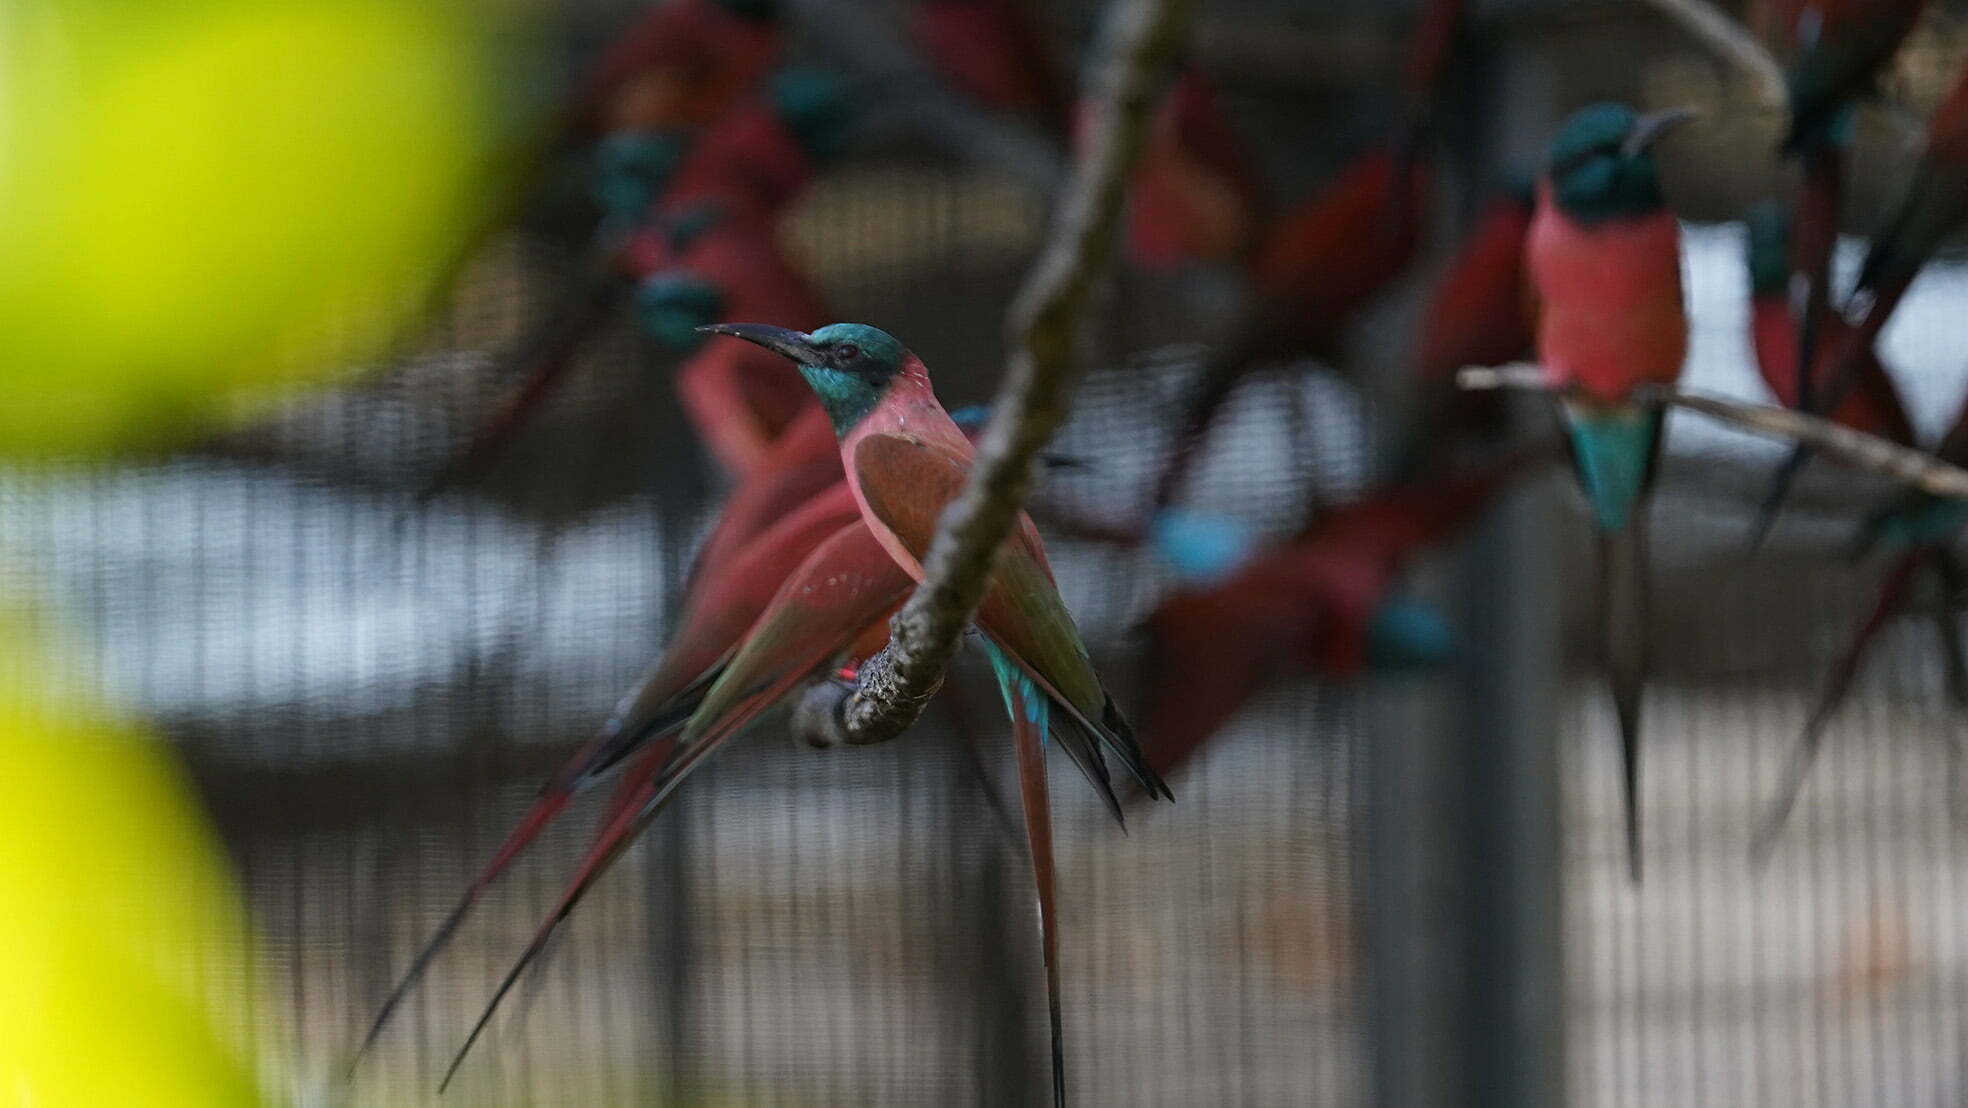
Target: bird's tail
(1892, 594)
(591, 761)
(1624, 628)
(636, 805)
(1947, 614)
(1030, 712)
(1616, 451)
(1816, 237)
(1838, 382)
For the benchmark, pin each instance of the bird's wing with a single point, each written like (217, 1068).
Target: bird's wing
(847, 584)
(1209, 652)
(906, 483)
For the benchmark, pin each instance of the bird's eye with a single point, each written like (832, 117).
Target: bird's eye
(847, 353)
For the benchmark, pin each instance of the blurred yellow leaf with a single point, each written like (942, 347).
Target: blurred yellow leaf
(198, 199)
(124, 960)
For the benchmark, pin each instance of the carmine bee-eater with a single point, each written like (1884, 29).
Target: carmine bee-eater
(1313, 270)
(766, 536)
(1312, 273)
(1919, 527)
(1934, 205)
(834, 604)
(740, 399)
(1196, 194)
(1874, 406)
(906, 461)
(1478, 313)
(1841, 47)
(1604, 255)
(675, 275)
(1838, 49)
(705, 248)
(1326, 603)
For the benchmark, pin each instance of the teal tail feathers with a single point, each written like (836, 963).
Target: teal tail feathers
(1613, 450)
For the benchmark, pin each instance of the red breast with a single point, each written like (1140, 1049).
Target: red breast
(1609, 300)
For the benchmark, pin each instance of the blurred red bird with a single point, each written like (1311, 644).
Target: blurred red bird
(1875, 406)
(1327, 603)
(1479, 313)
(843, 589)
(1934, 205)
(1196, 194)
(1001, 54)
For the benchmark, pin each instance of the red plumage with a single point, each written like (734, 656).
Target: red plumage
(1610, 315)
(680, 64)
(1873, 406)
(1936, 202)
(1429, 49)
(1478, 313)
(1304, 608)
(749, 162)
(1340, 249)
(1196, 193)
(998, 53)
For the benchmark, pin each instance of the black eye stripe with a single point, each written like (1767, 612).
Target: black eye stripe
(847, 353)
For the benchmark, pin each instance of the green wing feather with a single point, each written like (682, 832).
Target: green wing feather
(906, 483)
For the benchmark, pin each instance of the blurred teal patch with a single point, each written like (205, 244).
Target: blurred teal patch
(1769, 248)
(692, 224)
(1612, 449)
(671, 306)
(1012, 680)
(1408, 635)
(1932, 523)
(815, 107)
(1201, 549)
(631, 169)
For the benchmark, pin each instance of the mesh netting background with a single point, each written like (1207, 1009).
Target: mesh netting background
(368, 695)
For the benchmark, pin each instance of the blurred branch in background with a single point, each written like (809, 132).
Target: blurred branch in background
(1143, 37)
(1730, 41)
(1916, 468)
(912, 99)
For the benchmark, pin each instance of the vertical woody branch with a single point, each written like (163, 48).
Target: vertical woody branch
(1142, 39)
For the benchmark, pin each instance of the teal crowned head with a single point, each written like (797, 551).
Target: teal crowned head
(849, 365)
(1602, 162)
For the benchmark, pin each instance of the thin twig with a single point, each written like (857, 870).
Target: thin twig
(1915, 468)
(1044, 331)
(914, 100)
(1731, 42)
(1906, 465)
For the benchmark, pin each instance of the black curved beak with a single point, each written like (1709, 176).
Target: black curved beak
(1651, 128)
(783, 341)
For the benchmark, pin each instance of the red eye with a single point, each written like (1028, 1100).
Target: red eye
(847, 353)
